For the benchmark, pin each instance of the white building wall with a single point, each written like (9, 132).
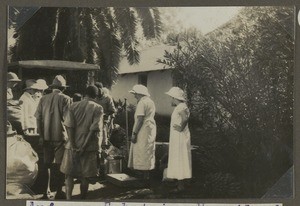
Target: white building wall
(158, 83)
(119, 91)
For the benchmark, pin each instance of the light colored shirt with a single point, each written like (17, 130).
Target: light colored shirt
(51, 111)
(107, 103)
(85, 116)
(28, 109)
(9, 94)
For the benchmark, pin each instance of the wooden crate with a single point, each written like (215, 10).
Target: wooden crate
(124, 180)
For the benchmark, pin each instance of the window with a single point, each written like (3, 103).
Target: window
(142, 79)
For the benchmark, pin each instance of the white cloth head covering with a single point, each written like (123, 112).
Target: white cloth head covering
(140, 89)
(41, 83)
(177, 93)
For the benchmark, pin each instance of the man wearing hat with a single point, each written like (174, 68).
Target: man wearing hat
(29, 105)
(41, 84)
(179, 160)
(14, 114)
(50, 114)
(142, 149)
(107, 103)
(12, 81)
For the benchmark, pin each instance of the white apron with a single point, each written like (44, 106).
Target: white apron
(142, 153)
(28, 108)
(180, 161)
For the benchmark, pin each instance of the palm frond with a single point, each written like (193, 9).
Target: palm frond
(61, 33)
(108, 47)
(127, 26)
(157, 22)
(147, 22)
(87, 35)
(34, 39)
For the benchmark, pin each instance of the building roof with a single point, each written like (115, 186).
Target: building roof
(148, 60)
(54, 64)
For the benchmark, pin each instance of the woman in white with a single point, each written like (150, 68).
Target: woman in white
(142, 149)
(179, 162)
(29, 105)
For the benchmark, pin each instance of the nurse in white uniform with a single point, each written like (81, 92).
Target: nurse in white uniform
(180, 161)
(142, 149)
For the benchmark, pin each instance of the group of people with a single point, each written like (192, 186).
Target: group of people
(72, 132)
(24, 121)
(142, 149)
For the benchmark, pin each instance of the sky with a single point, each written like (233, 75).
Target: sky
(205, 19)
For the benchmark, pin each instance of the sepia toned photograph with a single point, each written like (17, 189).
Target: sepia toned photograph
(150, 103)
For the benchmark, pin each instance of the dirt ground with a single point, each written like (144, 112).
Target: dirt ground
(104, 190)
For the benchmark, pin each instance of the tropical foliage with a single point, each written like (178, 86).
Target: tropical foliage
(91, 35)
(239, 83)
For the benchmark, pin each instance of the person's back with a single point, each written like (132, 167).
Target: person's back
(84, 113)
(50, 116)
(148, 108)
(83, 124)
(52, 110)
(107, 103)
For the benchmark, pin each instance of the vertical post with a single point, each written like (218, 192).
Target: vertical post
(126, 120)
(90, 79)
(296, 111)
(20, 85)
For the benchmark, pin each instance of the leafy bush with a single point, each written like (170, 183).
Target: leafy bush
(239, 84)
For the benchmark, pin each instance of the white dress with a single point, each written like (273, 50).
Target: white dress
(142, 153)
(28, 108)
(180, 161)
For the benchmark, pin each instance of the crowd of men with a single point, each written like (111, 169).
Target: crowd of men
(71, 131)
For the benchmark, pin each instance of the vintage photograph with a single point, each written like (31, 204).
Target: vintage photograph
(143, 103)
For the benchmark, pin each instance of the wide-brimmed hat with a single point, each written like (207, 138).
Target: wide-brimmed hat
(12, 77)
(177, 93)
(30, 84)
(140, 89)
(39, 84)
(9, 129)
(59, 81)
(42, 84)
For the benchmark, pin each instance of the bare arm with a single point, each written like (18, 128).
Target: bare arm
(184, 122)
(71, 132)
(184, 117)
(112, 109)
(136, 128)
(39, 123)
(40, 129)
